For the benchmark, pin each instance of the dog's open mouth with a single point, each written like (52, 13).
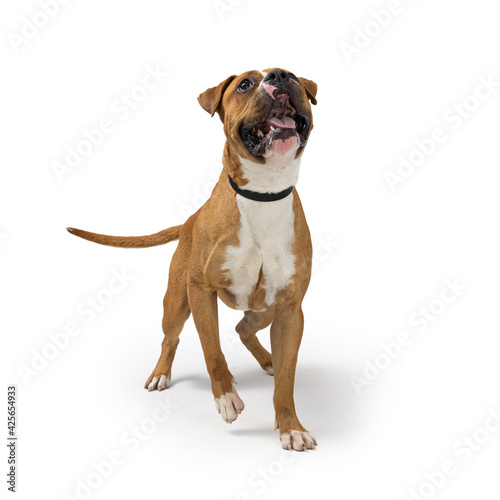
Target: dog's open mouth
(282, 123)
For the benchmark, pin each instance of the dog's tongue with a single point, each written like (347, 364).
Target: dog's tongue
(286, 122)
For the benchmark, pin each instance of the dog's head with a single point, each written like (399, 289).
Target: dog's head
(264, 113)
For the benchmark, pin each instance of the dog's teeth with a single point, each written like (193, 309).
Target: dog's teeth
(272, 128)
(293, 110)
(260, 133)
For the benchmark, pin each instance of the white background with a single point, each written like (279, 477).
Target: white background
(381, 254)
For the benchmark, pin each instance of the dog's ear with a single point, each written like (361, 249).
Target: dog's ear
(311, 89)
(210, 99)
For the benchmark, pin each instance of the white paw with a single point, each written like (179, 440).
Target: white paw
(229, 406)
(159, 383)
(270, 370)
(298, 441)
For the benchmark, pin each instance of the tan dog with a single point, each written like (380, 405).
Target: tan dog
(249, 245)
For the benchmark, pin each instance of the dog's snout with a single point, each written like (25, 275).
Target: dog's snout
(277, 77)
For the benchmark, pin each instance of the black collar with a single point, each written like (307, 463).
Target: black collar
(256, 196)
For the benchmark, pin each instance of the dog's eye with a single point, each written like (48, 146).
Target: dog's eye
(244, 85)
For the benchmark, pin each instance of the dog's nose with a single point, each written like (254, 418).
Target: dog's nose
(277, 77)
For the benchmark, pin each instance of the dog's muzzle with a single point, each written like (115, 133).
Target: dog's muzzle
(283, 122)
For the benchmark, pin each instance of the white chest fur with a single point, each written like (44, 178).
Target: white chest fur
(265, 243)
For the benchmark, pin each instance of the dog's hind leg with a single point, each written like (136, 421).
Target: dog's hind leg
(175, 313)
(247, 328)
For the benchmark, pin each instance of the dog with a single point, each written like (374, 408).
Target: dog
(248, 245)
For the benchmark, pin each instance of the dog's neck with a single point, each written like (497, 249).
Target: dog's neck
(275, 173)
(274, 176)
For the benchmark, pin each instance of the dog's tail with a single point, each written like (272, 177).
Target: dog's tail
(152, 240)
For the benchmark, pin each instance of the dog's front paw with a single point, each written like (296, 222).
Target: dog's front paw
(159, 382)
(229, 406)
(298, 441)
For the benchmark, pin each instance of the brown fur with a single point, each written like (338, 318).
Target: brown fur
(165, 236)
(197, 277)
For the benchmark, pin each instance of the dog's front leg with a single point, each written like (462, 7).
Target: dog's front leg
(286, 334)
(203, 305)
